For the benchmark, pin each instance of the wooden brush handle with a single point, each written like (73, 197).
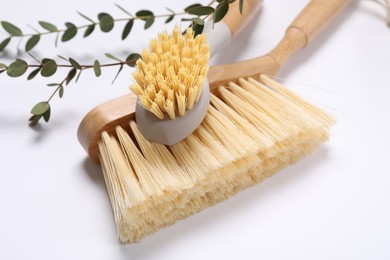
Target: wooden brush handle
(237, 22)
(314, 17)
(120, 111)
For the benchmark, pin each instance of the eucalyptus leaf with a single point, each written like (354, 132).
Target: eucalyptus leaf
(4, 44)
(220, 11)
(40, 108)
(127, 29)
(78, 76)
(49, 68)
(11, 29)
(149, 22)
(32, 42)
(46, 115)
(53, 84)
(106, 22)
(200, 10)
(17, 68)
(123, 10)
(191, 6)
(71, 75)
(89, 30)
(117, 74)
(75, 64)
(61, 92)
(33, 74)
(48, 26)
(170, 10)
(169, 19)
(197, 25)
(97, 69)
(132, 59)
(69, 33)
(110, 56)
(3, 66)
(86, 17)
(241, 5)
(34, 119)
(144, 14)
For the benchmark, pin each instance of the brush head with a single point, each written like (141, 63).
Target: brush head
(169, 82)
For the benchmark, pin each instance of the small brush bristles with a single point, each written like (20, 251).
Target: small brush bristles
(170, 75)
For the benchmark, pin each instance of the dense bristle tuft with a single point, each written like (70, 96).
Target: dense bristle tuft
(170, 75)
(251, 130)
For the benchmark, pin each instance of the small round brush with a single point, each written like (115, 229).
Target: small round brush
(171, 85)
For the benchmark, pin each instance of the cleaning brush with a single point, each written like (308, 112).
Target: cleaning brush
(169, 82)
(253, 128)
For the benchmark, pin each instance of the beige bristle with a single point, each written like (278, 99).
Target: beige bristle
(173, 62)
(251, 131)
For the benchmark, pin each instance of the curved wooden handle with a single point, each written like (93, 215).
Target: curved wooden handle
(105, 117)
(237, 22)
(314, 17)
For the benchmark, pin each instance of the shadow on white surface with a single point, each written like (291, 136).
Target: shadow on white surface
(94, 172)
(173, 235)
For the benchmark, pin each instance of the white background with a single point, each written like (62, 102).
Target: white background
(334, 204)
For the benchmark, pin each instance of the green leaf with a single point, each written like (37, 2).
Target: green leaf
(220, 11)
(197, 25)
(49, 68)
(48, 26)
(53, 84)
(144, 14)
(40, 108)
(33, 74)
(17, 68)
(149, 22)
(169, 19)
(117, 74)
(89, 30)
(71, 75)
(191, 6)
(86, 17)
(11, 29)
(4, 44)
(170, 10)
(200, 10)
(106, 22)
(97, 69)
(34, 119)
(61, 92)
(127, 29)
(78, 76)
(241, 6)
(3, 66)
(69, 33)
(132, 59)
(110, 56)
(32, 42)
(46, 115)
(75, 64)
(123, 10)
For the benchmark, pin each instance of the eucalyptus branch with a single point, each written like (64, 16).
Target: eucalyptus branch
(48, 67)
(106, 23)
